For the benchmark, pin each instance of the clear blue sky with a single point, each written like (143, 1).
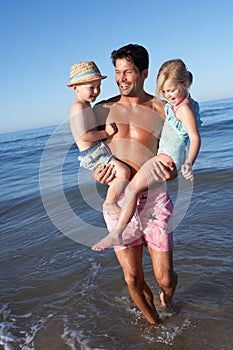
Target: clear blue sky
(41, 39)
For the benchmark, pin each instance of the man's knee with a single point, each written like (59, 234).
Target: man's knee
(166, 280)
(133, 280)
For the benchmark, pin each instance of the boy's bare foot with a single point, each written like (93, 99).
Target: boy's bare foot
(109, 241)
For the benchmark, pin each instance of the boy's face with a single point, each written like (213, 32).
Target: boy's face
(88, 91)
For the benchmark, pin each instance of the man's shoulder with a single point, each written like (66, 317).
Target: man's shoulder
(148, 100)
(158, 106)
(109, 100)
(103, 108)
(155, 104)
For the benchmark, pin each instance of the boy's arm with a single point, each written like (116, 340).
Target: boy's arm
(84, 127)
(96, 135)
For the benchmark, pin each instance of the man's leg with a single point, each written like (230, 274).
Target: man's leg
(131, 263)
(164, 274)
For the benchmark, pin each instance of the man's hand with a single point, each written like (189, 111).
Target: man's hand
(163, 172)
(105, 174)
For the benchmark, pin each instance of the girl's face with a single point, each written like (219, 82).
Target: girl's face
(174, 92)
(89, 92)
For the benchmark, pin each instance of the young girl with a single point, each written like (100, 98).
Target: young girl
(85, 80)
(180, 126)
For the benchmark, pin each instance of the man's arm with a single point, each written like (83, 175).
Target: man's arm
(162, 172)
(106, 174)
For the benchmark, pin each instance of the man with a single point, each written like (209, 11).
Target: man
(138, 119)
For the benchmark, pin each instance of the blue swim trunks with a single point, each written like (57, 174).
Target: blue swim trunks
(97, 155)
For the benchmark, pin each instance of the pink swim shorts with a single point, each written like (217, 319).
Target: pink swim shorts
(151, 224)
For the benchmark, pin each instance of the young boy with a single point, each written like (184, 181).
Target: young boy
(85, 80)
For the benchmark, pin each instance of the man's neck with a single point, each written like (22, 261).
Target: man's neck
(142, 98)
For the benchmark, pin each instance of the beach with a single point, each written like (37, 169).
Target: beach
(58, 294)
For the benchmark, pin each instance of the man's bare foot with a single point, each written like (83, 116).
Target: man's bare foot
(162, 299)
(108, 241)
(166, 302)
(111, 207)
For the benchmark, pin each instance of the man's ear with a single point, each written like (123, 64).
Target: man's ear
(145, 73)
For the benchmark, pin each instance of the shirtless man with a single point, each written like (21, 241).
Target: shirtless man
(138, 118)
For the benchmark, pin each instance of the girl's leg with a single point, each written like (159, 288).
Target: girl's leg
(141, 181)
(117, 185)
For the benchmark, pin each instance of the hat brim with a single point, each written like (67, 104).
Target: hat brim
(87, 80)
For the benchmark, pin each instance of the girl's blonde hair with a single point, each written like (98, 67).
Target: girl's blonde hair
(172, 69)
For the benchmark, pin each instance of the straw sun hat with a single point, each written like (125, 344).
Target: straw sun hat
(84, 72)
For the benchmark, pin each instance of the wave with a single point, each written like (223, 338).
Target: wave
(216, 110)
(215, 177)
(26, 135)
(77, 193)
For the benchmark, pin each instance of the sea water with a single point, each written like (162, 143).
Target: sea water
(57, 294)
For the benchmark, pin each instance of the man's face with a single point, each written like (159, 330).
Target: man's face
(128, 78)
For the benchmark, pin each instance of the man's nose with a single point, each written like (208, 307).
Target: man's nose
(123, 77)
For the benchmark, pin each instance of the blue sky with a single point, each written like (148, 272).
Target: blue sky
(41, 39)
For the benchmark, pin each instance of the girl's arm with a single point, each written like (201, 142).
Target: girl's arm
(188, 119)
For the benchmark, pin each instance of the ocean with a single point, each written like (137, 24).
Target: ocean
(58, 294)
